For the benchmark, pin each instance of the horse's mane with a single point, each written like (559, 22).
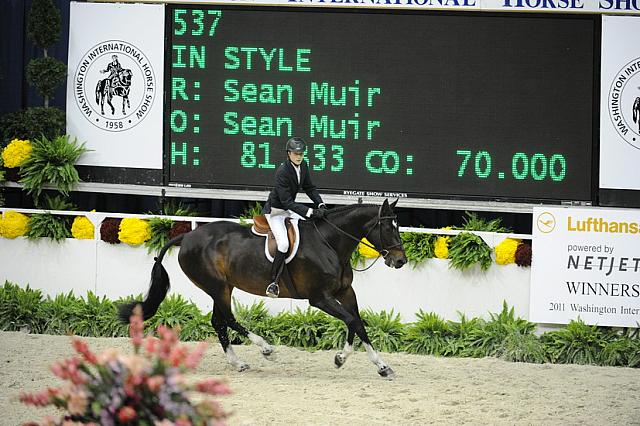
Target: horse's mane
(342, 209)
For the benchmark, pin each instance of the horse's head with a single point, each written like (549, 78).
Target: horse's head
(385, 235)
(125, 77)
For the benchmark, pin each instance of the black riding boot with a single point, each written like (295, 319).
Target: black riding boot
(273, 290)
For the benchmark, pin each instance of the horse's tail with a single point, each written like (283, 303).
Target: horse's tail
(157, 290)
(99, 88)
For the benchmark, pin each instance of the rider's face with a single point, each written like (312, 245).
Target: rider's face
(296, 157)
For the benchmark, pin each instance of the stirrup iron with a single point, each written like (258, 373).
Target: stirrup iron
(273, 290)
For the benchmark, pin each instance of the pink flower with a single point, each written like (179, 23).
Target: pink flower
(77, 403)
(151, 345)
(212, 386)
(177, 355)
(136, 327)
(136, 364)
(192, 360)
(183, 422)
(154, 383)
(82, 348)
(126, 414)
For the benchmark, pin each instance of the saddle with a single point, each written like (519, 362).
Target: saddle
(261, 228)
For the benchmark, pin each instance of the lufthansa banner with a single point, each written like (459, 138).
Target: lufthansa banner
(586, 265)
(115, 84)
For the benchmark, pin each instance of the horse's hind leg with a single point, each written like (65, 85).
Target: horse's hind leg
(219, 323)
(225, 308)
(355, 324)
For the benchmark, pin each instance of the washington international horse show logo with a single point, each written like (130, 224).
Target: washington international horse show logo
(624, 102)
(115, 85)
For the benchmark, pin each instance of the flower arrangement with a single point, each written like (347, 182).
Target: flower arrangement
(82, 228)
(134, 231)
(179, 228)
(506, 251)
(367, 251)
(111, 388)
(109, 230)
(523, 255)
(441, 247)
(16, 153)
(13, 224)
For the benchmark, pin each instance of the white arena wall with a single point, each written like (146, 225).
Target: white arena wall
(122, 270)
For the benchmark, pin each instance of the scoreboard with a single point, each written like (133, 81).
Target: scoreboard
(408, 103)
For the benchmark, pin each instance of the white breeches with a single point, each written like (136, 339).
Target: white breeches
(276, 222)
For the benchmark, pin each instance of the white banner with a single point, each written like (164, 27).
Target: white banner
(586, 264)
(620, 103)
(627, 7)
(115, 83)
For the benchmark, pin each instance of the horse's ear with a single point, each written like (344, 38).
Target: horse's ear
(385, 204)
(393, 205)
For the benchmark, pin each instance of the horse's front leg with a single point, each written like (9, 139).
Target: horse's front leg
(355, 325)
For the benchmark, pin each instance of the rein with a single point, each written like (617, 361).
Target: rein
(381, 252)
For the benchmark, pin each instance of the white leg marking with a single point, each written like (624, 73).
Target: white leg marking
(266, 348)
(345, 352)
(239, 364)
(374, 357)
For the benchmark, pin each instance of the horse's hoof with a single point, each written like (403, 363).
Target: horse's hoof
(267, 352)
(339, 360)
(387, 373)
(243, 367)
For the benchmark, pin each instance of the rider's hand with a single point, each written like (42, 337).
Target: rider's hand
(318, 214)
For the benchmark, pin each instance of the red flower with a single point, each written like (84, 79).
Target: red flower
(126, 414)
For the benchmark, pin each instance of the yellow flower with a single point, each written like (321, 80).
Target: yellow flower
(82, 228)
(367, 251)
(16, 153)
(13, 224)
(506, 251)
(441, 247)
(134, 231)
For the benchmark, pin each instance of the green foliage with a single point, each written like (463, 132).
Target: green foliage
(52, 161)
(61, 313)
(32, 123)
(160, 228)
(249, 213)
(20, 309)
(429, 335)
(474, 223)
(44, 23)
(418, 246)
(173, 208)
(174, 312)
(467, 249)
(98, 317)
(56, 203)
(503, 335)
(46, 74)
(486, 339)
(385, 330)
(301, 328)
(357, 259)
(46, 225)
(577, 343)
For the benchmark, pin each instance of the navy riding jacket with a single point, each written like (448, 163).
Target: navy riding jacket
(283, 195)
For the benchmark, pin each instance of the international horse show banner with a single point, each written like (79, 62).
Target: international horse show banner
(115, 83)
(620, 103)
(586, 265)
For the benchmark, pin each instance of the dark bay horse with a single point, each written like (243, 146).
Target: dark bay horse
(220, 256)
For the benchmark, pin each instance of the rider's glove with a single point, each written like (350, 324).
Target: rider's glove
(322, 206)
(318, 214)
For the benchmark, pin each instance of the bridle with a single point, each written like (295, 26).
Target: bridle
(384, 251)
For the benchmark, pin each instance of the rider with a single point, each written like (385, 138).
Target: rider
(113, 68)
(291, 176)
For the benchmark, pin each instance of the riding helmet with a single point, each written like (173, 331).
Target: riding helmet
(296, 144)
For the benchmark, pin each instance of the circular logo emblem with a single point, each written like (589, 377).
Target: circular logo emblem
(545, 222)
(623, 103)
(114, 85)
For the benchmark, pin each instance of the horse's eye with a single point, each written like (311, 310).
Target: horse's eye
(395, 224)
